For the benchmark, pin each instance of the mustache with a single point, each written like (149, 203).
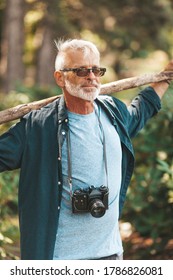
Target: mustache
(91, 83)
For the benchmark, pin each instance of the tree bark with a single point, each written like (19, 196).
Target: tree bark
(47, 51)
(15, 40)
(20, 110)
(46, 58)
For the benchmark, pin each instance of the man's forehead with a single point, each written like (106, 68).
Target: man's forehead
(80, 58)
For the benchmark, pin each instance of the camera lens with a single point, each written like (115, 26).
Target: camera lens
(97, 208)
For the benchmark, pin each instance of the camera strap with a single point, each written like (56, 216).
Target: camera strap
(69, 154)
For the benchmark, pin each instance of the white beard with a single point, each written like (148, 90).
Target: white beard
(89, 94)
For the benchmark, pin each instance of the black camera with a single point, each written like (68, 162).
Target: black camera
(93, 200)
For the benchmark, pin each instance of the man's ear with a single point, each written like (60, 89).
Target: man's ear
(59, 78)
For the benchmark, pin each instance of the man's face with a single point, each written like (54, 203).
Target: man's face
(87, 87)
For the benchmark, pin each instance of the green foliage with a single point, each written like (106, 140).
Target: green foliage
(126, 28)
(9, 232)
(149, 204)
(36, 92)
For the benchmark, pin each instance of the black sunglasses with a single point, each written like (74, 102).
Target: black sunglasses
(83, 72)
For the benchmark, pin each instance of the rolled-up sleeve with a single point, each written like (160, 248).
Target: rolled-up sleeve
(142, 108)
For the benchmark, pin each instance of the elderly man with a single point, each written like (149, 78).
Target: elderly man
(76, 161)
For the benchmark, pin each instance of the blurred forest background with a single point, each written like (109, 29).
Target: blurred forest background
(134, 37)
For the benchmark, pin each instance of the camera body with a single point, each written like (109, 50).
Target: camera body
(91, 199)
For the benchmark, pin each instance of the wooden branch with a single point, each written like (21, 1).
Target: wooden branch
(21, 110)
(135, 82)
(124, 84)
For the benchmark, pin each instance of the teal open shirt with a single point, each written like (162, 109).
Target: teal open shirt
(34, 146)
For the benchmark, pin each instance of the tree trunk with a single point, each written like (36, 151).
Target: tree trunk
(46, 53)
(53, 25)
(15, 10)
(46, 58)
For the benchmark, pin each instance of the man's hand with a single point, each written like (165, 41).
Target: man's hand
(169, 66)
(161, 87)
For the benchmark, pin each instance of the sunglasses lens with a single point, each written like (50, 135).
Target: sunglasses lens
(102, 71)
(96, 72)
(82, 72)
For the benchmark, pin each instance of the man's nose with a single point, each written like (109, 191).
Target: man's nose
(91, 75)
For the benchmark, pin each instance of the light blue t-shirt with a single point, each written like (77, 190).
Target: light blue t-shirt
(80, 235)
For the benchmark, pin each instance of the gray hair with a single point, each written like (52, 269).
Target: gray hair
(73, 44)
